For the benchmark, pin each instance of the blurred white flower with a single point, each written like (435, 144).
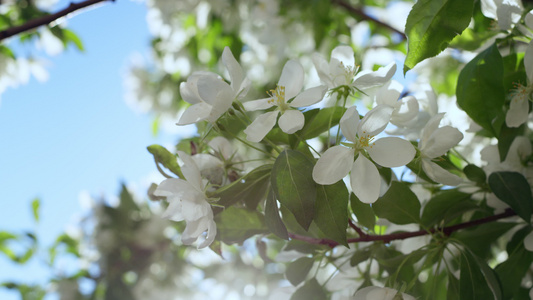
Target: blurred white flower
(506, 12)
(434, 142)
(188, 202)
(405, 110)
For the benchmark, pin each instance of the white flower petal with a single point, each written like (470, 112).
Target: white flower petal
(309, 96)
(195, 113)
(222, 146)
(235, 71)
(430, 127)
(333, 165)
(209, 89)
(518, 111)
(365, 180)
(258, 104)
(349, 123)
(441, 141)
(173, 211)
(190, 171)
(322, 68)
(260, 127)
(528, 59)
(345, 55)
(438, 174)
(375, 121)
(172, 186)
(389, 93)
(406, 111)
(292, 78)
(291, 121)
(366, 80)
(392, 152)
(211, 233)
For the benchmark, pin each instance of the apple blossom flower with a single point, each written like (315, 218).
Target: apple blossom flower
(405, 109)
(434, 142)
(289, 87)
(379, 293)
(506, 12)
(519, 107)
(342, 71)
(338, 160)
(188, 202)
(210, 95)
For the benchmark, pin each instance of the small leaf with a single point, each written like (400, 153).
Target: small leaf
(311, 290)
(399, 205)
(360, 256)
(71, 37)
(298, 270)
(235, 225)
(513, 189)
(475, 174)
(250, 189)
(272, 218)
(432, 24)
(480, 92)
(513, 270)
(294, 186)
(363, 211)
(35, 204)
(480, 239)
(331, 211)
(164, 157)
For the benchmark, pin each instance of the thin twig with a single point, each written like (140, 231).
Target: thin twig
(359, 12)
(44, 20)
(405, 235)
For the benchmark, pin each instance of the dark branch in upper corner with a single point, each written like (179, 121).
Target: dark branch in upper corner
(32, 24)
(364, 16)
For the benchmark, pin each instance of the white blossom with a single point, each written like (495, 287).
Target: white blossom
(434, 142)
(289, 87)
(188, 202)
(338, 160)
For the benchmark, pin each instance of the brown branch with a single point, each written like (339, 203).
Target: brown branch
(359, 12)
(405, 235)
(32, 24)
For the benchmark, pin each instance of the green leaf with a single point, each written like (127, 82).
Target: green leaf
(235, 225)
(250, 189)
(480, 92)
(506, 138)
(513, 270)
(127, 204)
(477, 280)
(298, 270)
(441, 205)
(363, 211)
(475, 174)
(431, 25)
(272, 219)
(470, 40)
(294, 186)
(71, 37)
(35, 204)
(311, 290)
(164, 157)
(331, 211)
(399, 205)
(318, 121)
(513, 189)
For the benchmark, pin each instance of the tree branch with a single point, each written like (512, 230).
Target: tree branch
(359, 12)
(32, 24)
(405, 235)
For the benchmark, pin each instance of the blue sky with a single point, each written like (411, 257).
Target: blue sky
(74, 132)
